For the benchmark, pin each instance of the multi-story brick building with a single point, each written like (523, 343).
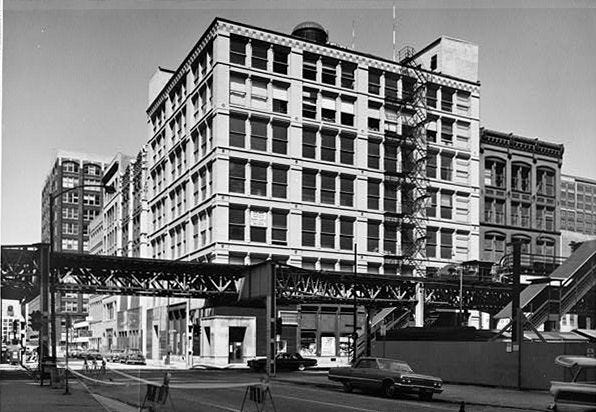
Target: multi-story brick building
(269, 145)
(519, 195)
(73, 211)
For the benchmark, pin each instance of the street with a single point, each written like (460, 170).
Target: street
(204, 390)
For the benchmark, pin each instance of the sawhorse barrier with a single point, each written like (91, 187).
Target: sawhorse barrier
(157, 395)
(258, 394)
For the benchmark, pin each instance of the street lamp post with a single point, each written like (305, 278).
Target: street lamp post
(52, 197)
(68, 324)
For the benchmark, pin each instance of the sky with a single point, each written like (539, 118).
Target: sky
(75, 73)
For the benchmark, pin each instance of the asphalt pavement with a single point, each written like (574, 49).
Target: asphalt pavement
(123, 389)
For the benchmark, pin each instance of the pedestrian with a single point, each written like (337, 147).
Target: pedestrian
(102, 371)
(94, 363)
(85, 365)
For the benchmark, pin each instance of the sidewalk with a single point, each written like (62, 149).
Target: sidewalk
(18, 392)
(455, 394)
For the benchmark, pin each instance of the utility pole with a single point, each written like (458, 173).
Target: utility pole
(355, 318)
(517, 330)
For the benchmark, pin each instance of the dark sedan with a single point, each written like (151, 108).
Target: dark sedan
(284, 361)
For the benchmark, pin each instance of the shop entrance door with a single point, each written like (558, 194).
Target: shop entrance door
(236, 344)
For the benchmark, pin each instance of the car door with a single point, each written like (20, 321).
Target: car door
(361, 373)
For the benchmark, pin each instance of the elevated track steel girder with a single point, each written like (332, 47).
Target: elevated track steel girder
(110, 275)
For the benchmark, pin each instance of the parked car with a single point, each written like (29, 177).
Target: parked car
(284, 361)
(114, 355)
(92, 354)
(579, 394)
(132, 356)
(390, 376)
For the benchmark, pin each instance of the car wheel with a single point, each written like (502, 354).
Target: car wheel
(425, 396)
(388, 389)
(348, 388)
(301, 367)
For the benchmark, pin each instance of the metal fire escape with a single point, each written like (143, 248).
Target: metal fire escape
(410, 175)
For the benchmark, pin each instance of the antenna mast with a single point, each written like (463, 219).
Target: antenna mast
(353, 33)
(394, 26)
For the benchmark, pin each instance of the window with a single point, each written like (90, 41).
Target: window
(346, 233)
(346, 190)
(431, 131)
(259, 55)
(431, 209)
(329, 71)
(280, 98)
(237, 50)
(347, 75)
(545, 246)
(258, 134)
(328, 108)
(374, 81)
(92, 170)
(447, 131)
(279, 227)
(71, 213)
(545, 217)
(328, 231)
(258, 94)
(374, 154)
(258, 179)
(520, 177)
(70, 197)
(447, 99)
(70, 167)
(431, 165)
(69, 182)
(431, 95)
(280, 181)
(309, 143)
(463, 102)
(390, 160)
(91, 200)
(545, 184)
(374, 117)
(347, 112)
(328, 188)
(346, 143)
(237, 90)
(390, 238)
(373, 194)
(309, 231)
(328, 146)
(237, 130)
(70, 244)
(391, 119)
(446, 244)
(258, 226)
(494, 173)
(309, 103)
(391, 81)
(431, 242)
(309, 66)
(446, 167)
(280, 59)
(390, 199)
(236, 222)
(463, 133)
(309, 185)
(237, 175)
(446, 205)
(70, 228)
(408, 88)
(372, 236)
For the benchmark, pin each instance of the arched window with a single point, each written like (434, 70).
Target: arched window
(494, 246)
(525, 241)
(494, 172)
(520, 177)
(545, 181)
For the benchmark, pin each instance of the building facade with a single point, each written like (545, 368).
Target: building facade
(265, 145)
(520, 199)
(578, 211)
(73, 211)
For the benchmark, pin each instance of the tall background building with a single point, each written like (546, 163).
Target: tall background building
(72, 213)
(578, 211)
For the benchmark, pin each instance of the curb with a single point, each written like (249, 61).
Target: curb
(449, 401)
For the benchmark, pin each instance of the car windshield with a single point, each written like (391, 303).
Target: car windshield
(394, 366)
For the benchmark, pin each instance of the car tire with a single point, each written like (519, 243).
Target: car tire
(425, 396)
(348, 388)
(388, 389)
(301, 367)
